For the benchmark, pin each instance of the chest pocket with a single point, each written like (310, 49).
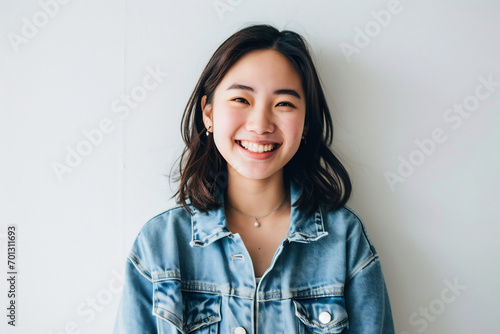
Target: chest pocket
(321, 315)
(189, 312)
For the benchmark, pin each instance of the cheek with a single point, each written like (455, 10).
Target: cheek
(225, 125)
(293, 128)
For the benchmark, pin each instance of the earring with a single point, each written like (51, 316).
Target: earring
(207, 133)
(304, 139)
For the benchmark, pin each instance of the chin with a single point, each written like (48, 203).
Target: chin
(253, 174)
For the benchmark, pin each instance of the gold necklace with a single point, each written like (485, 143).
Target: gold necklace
(256, 222)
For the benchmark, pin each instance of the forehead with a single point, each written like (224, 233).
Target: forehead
(264, 69)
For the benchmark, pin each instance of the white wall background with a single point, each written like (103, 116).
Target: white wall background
(66, 65)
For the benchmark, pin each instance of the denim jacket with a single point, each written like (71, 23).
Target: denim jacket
(187, 273)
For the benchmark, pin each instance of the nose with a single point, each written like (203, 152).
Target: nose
(261, 120)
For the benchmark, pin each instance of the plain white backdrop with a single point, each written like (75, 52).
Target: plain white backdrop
(91, 97)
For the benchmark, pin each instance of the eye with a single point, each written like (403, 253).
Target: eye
(285, 104)
(240, 99)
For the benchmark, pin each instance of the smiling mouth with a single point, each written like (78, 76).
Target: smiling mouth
(257, 148)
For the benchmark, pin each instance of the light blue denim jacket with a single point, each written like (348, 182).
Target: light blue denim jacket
(190, 274)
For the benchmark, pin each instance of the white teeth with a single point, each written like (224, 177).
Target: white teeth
(252, 147)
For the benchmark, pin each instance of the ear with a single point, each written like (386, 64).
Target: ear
(207, 113)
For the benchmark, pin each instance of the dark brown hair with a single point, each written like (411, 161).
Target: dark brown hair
(203, 170)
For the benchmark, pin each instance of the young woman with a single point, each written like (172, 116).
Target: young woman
(262, 241)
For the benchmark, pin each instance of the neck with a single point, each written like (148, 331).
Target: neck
(255, 197)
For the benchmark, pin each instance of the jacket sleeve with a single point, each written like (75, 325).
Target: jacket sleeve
(366, 296)
(367, 302)
(135, 313)
(139, 310)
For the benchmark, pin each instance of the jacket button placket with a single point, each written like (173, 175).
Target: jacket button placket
(243, 277)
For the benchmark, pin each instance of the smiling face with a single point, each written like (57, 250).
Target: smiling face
(257, 115)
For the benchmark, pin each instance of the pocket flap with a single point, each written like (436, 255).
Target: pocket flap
(201, 309)
(323, 314)
(188, 311)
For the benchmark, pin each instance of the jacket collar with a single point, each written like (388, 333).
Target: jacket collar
(209, 227)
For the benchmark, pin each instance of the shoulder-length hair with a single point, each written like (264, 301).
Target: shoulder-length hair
(203, 170)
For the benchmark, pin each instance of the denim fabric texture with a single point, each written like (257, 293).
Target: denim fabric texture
(190, 274)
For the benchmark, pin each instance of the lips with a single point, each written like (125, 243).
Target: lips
(257, 147)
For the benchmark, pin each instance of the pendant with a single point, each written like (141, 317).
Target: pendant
(256, 223)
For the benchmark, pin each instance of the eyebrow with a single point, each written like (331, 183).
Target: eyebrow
(276, 92)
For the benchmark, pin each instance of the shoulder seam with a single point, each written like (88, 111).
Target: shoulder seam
(363, 265)
(135, 261)
(373, 256)
(363, 229)
(167, 211)
(134, 258)
(154, 218)
(353, 212)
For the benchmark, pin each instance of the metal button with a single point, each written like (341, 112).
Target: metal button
(238, 330)
(325, 317)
